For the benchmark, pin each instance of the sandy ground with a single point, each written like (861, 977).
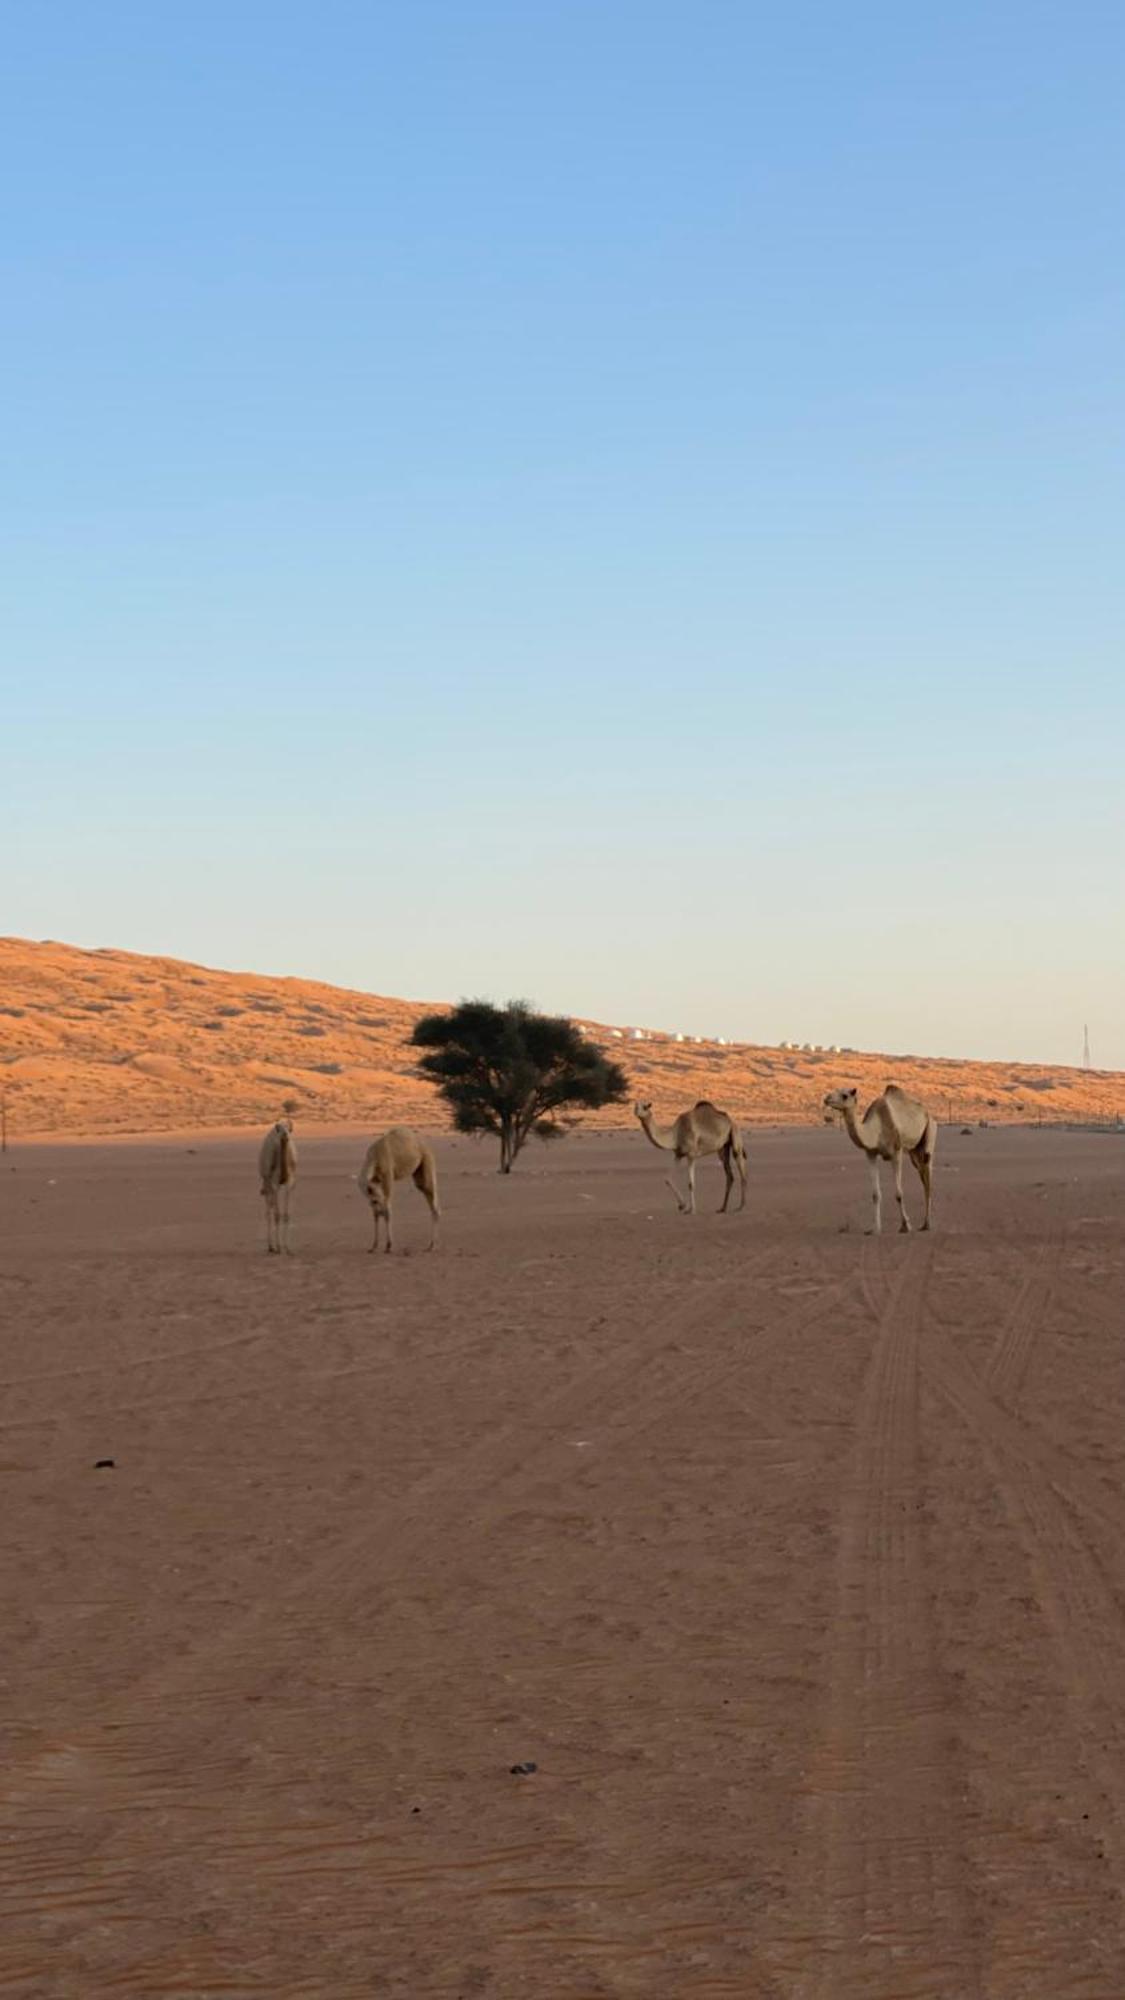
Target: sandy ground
(795, 1561)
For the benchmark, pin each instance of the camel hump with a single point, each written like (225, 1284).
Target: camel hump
(893, 1090)
(705, 1104)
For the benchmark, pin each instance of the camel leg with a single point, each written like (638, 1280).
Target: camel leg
(424, 1183)
(923, 1158)
(923, 1166)
(729, 1172)
(691, 1187)
(389, 1245)
(903, 1218)
(374, 1245)
(680, 1202)
(283, 1242)
(270, 1195)
(876, 1197)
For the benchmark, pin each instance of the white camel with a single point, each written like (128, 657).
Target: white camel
(893, 1125)
(399, 1155)
(277, 1167)
(695, 1135)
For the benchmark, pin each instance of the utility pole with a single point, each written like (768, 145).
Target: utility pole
(1086, 1063)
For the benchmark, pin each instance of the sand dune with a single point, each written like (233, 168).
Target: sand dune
(109, 1041)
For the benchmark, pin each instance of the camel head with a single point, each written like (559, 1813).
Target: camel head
(376, 1197)
(839, 1101)
(643, 1111)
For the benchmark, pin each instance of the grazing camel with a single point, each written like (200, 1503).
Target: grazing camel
(399, 1154)
(696, 1133)
(277, 1166)
(893, 1125)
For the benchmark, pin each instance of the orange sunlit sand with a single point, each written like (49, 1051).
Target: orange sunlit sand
(110, 1041)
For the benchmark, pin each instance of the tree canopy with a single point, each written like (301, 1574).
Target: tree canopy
(512, 1072)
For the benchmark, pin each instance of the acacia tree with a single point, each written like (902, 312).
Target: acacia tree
(512, 1072)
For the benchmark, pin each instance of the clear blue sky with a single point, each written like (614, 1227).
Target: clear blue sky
(620, 503)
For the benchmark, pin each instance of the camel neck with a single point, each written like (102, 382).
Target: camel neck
(855, 1128)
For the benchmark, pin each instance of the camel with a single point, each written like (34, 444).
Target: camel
(277, 1166)
(893, 1125)
(399, 1154)
(696, 1134)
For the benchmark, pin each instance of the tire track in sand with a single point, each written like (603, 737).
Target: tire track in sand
(1011, 1356)
(888, 1873)
(1052, 1504)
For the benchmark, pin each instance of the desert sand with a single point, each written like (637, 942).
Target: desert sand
(794, 1560)
(98, 1042)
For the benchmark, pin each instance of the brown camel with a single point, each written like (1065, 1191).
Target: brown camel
(696, 1134)
(893, 1125)
(277, 1169)
(399, 1155)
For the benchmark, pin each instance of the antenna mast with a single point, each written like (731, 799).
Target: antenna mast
(1086, 1063)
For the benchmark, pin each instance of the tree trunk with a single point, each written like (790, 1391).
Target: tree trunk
(505, 1149)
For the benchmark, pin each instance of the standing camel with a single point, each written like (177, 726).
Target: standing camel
(277, 1166)
(398, 1155)
(893, 1125)
(696, 1134)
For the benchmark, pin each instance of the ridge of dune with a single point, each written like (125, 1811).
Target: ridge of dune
(105, 1041)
